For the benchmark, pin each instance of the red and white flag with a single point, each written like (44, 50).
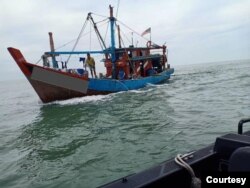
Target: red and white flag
(146, 31)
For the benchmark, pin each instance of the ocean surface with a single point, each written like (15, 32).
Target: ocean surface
(89, 141)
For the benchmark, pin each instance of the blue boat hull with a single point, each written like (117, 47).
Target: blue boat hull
(112, 85)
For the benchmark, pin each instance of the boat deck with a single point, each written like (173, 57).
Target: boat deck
(210, 158)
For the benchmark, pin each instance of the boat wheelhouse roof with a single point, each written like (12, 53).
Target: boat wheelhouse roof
(131, 48)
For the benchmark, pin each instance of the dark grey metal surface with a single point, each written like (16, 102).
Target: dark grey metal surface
(60, 80)
(147, 177)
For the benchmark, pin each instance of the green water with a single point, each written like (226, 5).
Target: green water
(87, 142)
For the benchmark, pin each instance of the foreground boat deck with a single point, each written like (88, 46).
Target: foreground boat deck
(213, 158)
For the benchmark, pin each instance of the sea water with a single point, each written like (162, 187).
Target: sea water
(89, 141)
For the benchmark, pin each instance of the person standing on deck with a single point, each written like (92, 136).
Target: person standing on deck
(91, 64)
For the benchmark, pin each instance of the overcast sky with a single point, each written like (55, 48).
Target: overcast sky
(195, 31)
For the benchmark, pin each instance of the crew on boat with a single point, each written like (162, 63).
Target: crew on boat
(91, 64)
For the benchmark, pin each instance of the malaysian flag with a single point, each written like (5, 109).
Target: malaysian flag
(146, 31)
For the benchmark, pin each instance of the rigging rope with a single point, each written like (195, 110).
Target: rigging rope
(106, 31)
(90, 36)
(100, 42)
(134, 31)
(103, 47)
(125, 37)
(131, 29)
(65, 44)
(77, 40)
(38, 61)
(81, 36)
(102, 20)
(99, 15)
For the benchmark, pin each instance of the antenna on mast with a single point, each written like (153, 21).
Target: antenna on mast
(117, 8)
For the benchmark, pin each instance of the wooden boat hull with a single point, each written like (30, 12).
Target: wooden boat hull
(51, 85)
(49, 93)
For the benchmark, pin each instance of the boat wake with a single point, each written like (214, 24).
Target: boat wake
(139, 91)
(98, 98)
(86, 99)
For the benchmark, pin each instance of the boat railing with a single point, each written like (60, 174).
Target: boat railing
(139, 58)
(240, 125)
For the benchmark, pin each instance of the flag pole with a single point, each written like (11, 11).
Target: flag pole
(150, 35)
(132, 38)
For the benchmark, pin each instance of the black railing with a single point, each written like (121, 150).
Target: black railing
(240, 125)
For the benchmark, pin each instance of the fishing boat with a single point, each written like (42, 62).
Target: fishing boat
(127, 68)
(224, 163)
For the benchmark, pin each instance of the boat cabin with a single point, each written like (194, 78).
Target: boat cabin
(135, 62)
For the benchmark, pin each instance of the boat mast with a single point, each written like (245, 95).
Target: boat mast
(96, 30)
(165, 58)
(52, 49)
(119, 36)
(113, 58)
